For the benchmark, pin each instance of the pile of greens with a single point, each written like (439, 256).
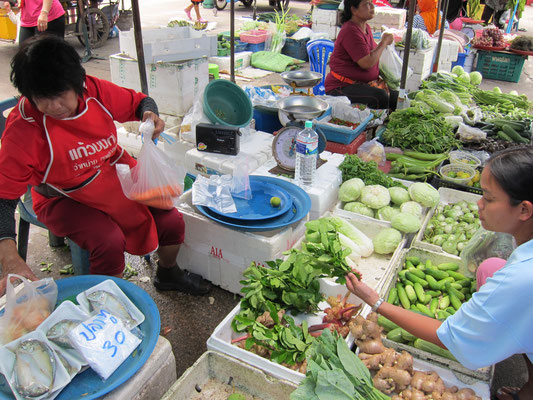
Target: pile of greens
(335, 372)
(353, 167)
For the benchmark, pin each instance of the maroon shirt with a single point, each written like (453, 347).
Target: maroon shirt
(351, 45)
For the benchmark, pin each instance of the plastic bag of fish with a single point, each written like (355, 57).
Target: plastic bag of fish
(32, 368)
(27, 309)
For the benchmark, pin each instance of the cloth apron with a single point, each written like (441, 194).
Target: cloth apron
(84, 151)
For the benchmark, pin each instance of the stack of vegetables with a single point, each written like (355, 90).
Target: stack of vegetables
(402, 208)
(412, 165)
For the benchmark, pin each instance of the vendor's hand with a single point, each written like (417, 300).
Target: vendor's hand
(19, 268)
(361, 290)
(42, 21)
(159, 124)
(387, 38)
(7, 6)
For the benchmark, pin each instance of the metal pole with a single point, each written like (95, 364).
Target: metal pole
(139, 46)
(405, 65)
(438, 14)
(232, 41)
(441, 35)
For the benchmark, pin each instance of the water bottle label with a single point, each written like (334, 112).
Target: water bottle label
(307, 147)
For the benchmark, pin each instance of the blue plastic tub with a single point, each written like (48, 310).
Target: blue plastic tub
(296, 48)
(256, 46)
(266, 120)
(340, 134)
(461, 58)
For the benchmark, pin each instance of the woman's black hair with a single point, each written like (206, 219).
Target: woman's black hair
(46, 66)
(347, 12)
(513, 170)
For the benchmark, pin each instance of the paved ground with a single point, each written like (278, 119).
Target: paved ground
(188, 321)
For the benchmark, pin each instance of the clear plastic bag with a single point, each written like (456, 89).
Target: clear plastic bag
(241, 181)
(390, 67)
(372, 151)
(485, 244)
(194, 117)
(26, 308)
(214, 192)
(155, 181)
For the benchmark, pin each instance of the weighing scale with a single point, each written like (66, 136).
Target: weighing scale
(293, 111)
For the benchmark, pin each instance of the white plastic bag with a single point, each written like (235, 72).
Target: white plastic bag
(214, 192)
(155, 181)
(390, 67)
(470, 134)
(194, 117)
(372, 151)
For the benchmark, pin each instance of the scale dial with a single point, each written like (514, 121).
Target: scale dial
(283, 147)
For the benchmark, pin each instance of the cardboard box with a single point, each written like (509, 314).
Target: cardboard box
(172, 85)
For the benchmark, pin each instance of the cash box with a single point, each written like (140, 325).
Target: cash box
(218, 139)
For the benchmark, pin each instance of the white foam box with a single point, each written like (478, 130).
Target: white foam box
(173, 86)
(445, 66)
(324, 17)
(324, 192)
(447, 196)
(420, 61)
(242, 60)
(221, 338)
(464, 374)
(255, 149)
(221, 254)
(166, 44)
(414, 81)
(388, 16)
(330, 30)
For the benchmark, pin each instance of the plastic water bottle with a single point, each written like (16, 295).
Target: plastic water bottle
(306, 155)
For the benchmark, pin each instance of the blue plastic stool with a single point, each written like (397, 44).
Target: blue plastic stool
(319, 51)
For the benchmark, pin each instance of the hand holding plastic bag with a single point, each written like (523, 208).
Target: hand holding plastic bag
(390, 67)
(155, 181)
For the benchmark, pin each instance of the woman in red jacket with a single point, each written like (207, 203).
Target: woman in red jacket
(354, 63)
(61, 139)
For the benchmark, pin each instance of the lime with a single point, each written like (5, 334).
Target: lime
(275, 201)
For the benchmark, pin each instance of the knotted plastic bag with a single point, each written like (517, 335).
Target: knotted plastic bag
(486, 244)
(155, 181)
(26, 308)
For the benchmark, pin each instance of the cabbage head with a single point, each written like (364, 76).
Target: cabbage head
(351, 189)
(398, 195)
(386, 213)
(359, 208)
(412, 207)
(424, 193)
(475, 78)
(405, 222)
(386, 241)
(375, 196)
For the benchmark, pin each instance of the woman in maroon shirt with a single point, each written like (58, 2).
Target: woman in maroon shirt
(354, 63)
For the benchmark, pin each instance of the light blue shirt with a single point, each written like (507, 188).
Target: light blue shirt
(497, 321)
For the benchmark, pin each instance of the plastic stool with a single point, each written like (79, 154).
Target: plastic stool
(213, 70)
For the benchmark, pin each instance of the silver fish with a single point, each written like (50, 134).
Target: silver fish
(68, 366)
(58, 333)
(102, 300)
(35, 368)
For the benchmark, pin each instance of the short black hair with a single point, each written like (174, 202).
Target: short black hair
(46, 66)
(347, 12)
(512, 168)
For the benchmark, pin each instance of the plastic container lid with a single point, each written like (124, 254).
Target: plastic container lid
(445, 170)
(464, 158)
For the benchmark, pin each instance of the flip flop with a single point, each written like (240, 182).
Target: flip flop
(188, 12)
(508, 391)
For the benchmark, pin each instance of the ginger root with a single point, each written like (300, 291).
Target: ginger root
(391, 379)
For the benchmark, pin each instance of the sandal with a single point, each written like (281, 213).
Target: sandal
(181, 281)
(188, 12)
(508, 391)
(203, 21)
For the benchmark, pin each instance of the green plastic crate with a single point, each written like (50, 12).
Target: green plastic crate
(500, 66)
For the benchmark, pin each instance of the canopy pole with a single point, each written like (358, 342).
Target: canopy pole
(232, 41)
(438, 12)
(139, 46)
(405, 65)
(441, 36)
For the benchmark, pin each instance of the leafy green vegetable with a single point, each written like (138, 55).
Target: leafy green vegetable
(386, 241)
(353, 167)
(375, 196)
(359, 208)
(350, 190)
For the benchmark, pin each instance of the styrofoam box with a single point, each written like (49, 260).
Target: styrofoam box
(445, 66)
(447, 196)
(221, 338)
(255, 149)
(242, 60)
(168, 44)
(463, 374)
(420, 61)
(173, 86)
(388, 16)
(324, 17)
(325, 190)
(221, 254)
(330, 30)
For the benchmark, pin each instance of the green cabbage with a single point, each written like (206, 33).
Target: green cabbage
(405, 222)
(398, 195)
(351, 189)
(375, 196)
(424, 193)
(386, 241)
(359, 208)
(412, 207)
(475, 78)
(386, 213)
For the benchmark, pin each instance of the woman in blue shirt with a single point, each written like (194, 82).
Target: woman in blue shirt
(497, 322)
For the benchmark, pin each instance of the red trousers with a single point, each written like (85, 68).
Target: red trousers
(96, 232)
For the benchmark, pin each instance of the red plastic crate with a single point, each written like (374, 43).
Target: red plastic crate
(347, 148)
(254, 36)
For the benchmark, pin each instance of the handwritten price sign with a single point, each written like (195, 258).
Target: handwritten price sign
(104, 342)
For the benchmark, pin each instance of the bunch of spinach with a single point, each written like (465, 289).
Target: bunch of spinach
(335, 372)
(353, 167)
(287, 342)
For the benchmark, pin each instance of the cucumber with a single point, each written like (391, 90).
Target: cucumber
(396, 335)
(429, 264)
(448, 266)
(402, 296)
(417, 272)
(401, 274)
(437, 273)
(444, 302)
(433, 306)
(386, 323)
(451, 290)
(414, 278)
(442, 315)
(433, 284)
(514, 135)
(408, 264)
(456, 285)
(433, 349)
(408, 337)
(393, 295)
(423, 309)
(419, 290)
(450, 310)
(454, 300)
(433, 293)
(443, 282)
(413, 260)
(456, 275)
(411, 294)
(503, 136)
